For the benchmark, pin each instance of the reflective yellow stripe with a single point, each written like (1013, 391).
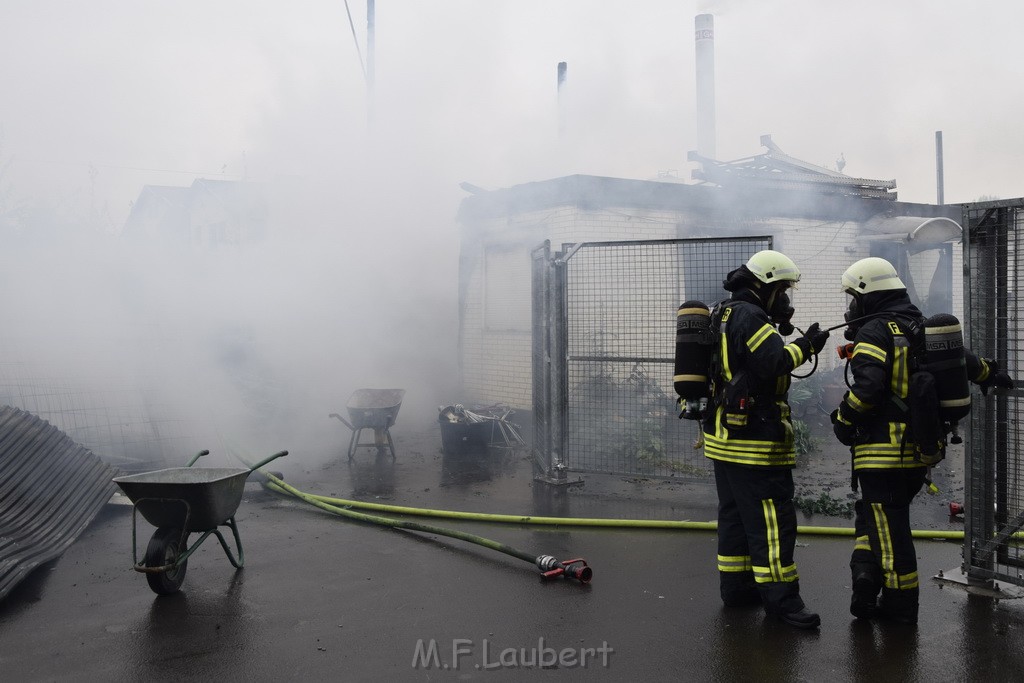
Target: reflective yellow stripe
(734, 563)
(869, 350)
(766, 575)
(857, 404)
(985, 369)
(771, 523)
(885, 551)
(748, 452)
(689, 378)
(760, 336)
(893, 454)
(907, 581)
(736, 419)
(862, 462)
(900, 382)
(862, 543)
(724, 351)
(796, 353)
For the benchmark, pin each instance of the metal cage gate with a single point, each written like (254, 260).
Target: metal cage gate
(604, 317)
(994, 466)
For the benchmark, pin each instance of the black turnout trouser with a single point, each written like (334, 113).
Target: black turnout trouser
(757, 534)
(884, 548)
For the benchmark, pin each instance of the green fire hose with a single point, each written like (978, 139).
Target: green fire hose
(549, 566)
(951, 534)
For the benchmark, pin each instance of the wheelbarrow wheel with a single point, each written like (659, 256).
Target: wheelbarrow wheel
(163, 549)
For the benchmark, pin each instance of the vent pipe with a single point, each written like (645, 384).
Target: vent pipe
(940, 190)
(704, 36)
(562, 69)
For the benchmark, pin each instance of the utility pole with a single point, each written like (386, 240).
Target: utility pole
(371, 11)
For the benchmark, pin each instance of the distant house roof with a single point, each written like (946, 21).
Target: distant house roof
(777, 170)
(218, 210)
(735, 200)
(159, 210)
(769, 184)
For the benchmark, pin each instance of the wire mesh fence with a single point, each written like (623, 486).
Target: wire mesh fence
(607, 380)
(112, 417)
(995, 454)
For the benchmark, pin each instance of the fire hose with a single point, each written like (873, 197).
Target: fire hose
(279, 486)
(549, 566)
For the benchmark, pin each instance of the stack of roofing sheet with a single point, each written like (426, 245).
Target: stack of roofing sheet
(50, 489)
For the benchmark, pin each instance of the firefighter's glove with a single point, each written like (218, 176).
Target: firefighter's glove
(997, 379)
(1002, 381)
(845, 433)
(816, 337)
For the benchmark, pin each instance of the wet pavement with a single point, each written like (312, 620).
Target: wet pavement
(322, 597)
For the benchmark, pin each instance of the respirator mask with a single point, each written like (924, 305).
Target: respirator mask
(852, 313)
(781, 312)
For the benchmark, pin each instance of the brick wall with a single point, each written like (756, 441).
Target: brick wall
(497, 364)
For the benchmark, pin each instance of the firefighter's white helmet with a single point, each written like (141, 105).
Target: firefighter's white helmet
(871, 275)
(772, 266)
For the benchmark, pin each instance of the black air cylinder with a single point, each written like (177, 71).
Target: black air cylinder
(944, 358)
(693, 350)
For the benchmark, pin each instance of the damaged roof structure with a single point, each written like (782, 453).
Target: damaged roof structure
(50, 490)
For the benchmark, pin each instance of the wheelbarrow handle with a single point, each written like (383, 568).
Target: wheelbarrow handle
(197, 456)
(263, 462)
(347, 423)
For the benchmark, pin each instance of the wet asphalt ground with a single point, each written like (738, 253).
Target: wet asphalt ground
(325, 598)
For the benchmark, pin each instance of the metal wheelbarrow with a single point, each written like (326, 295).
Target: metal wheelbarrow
(374, 409)
(180, 501)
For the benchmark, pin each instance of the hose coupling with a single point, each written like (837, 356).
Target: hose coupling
(577, 568)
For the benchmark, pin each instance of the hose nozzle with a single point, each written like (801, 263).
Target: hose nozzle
(577, 569)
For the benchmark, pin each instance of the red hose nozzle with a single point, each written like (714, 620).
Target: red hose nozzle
(571, 569)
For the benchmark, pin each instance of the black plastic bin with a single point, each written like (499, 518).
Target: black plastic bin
(463, 438)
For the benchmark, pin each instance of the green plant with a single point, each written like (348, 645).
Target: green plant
(825, 504)
(802, 439)
(644, 441)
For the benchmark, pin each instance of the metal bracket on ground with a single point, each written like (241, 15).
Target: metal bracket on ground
(989, 588)
(559, 476)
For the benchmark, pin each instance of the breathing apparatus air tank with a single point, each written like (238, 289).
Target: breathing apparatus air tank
(944, 359)
(694, 346)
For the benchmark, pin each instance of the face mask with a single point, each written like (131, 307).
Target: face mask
(852, 313)
(781, 312)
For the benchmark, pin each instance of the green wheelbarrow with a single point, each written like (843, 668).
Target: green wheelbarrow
(180, 501)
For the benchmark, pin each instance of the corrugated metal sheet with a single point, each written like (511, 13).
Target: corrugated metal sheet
(50, 489)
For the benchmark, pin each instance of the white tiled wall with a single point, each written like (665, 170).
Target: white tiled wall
(496, 364)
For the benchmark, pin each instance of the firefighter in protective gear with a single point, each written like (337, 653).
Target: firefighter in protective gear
(749, 436)
(873, 420)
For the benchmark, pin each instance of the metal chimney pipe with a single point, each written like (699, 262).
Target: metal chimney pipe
(940, 191)
(704, 36)
(563, 67)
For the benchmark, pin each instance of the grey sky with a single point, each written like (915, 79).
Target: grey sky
(157, 92)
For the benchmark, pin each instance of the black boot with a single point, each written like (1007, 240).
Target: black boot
(783, 602)
(899, 606)
(748, 597)
(803, 618)
(739, 590)
(864, 604)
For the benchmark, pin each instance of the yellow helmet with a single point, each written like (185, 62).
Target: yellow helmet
(772, 266)
(871, 275)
